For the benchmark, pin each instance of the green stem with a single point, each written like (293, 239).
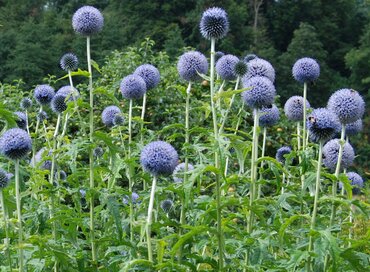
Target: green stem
(75, 100)
(299, 138)
(6, 226)
(129, 171)
(142, 118)
(28, 129)
(304, 115)
(262, 163)
(19, 216)
(229, 107)
(38, 122)
(149, 220)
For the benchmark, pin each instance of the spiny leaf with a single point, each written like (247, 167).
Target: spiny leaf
(79, 72)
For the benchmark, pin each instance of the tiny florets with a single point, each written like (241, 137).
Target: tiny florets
(118, 120)
(190, 64)
(214, 23)
(58, 104)
(269, 116)
(4, 179)
(133, 87)
(356, 181)
(69, 62)
(322, 125)
(306, 70)
(44, 94)
(347, 104)
(108, 115)
(21, 119)
(354, 128)
(260, 67)
(26, 103)
(262, 92)
(87, 21)
(178, 173)
(67, 91)
(42, 115)
(249, 57)
(15, 143)
(330, 154)
(134, 199)
(98, 152)
(241, 68)
(150, 74)
(167, 205)
(284, 150)
(159, 158)
(225, 67)
(293, 108)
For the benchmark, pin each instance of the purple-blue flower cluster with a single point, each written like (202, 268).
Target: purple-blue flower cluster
(150, 74)
(306, 70)
(21, 119)
(134, 198)
(293, 108)
(330, 153)
(15, 143)
(214, 23)
(260, 67)
(26, 103)
(322, 125)
(281, 152)
(67, 91)
(167, 205)
(39, 157)
(190, 64)
(58, 103)
(4, 179)
(354, 128)
(44, 94)
(225, 67)
(69, 62)
(269, 116)
(262, 92)
(178, 173)
(133, 87)
(87, 21)
(108, 115)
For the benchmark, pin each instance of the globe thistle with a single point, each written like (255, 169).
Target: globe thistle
(218, 55)
(150, 74)
(214, 23)
(134, 198)
(118, 120)
(87, 21)
(306, 70)
(354, 128)
(356, 181)
(269, 116)
(167, 205)
(262, 92)
(249, 57)
(39, 157)
(15, 143)
(284, 150)
(225, 67)
(58, 104)
(190, 64)
(330, 154)
(67, 91)
(322, 124)
(21, 119)
(347, 104)
(108, 115)
(44, 94)
(4, 179)
(60, 175)
(293, 108)
(26, 103)
(178, 173)
(159, 158)
(241, 68)
(133, 87)
(42, 115)
(10, 175)
(260, 67)
(98, 152)
(69, 62)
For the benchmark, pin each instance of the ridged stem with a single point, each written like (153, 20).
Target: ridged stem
(262, 155)
(74, 100)
(6, 227)
(149, 220)
(19, 216)
(143, 108)
(221, 130)
(129, 171)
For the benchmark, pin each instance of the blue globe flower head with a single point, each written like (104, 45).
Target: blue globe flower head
(98, 152)
(118, 120)
(150, 74)
(306, 70)
(260, 67)
(44, 94)
(347, 104)
(190, 64)
(133, 87)
(26, 103)
(214, 23)
(354, 128)
(330, 154)
(167, 205)
(4, 179)
(241, 68)
(108, 115)
(225, 67)
(69, 62)
(67, 91)
(134, 199)
(284, 150)
(58, 103)
(218, 55)
(159, 158)
(15, 144)
(249, 57)
(42, 115)
(356, 181)
(269, 116)
(262, 92)
(40, 158)
(178, 173)
(322, 125)
(293, 108)
(21, 119)
(87, 21)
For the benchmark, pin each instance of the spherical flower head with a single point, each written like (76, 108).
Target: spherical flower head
(15, 143)
(167, 205)
(4, 179)
(133, 87)
(190, 64)
(67, 91)
(281, 152)
(347, 104)
(134, 199)
(293, 108)
(118, 120)
(44, 94)
(58, 103)
(159, 158)
(41, 116)
(69, 62)
(178, 173)
(225, 67)
(354, 128)
(26, 103)
(260, 67)
(21, 119)
(218, 55)
(330, 154)
(150, 74)
(214, 23)
(241, 68)
(108, 115)
(249, 57)
(356, 181)
(87, 21)
(262, 92)
(306, 70)
(98, 152)
(39, 157)
(322, 125)
(269, 116)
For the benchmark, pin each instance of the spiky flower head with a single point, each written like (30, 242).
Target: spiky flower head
(269, 116)
(225, 67)
(42, 115)
(218, 55)
(159, 158)
(108, 115)
(133, 87)
(347, 104)
(214, 23)
(44, 94)
(354, 128)
(26, 103)
(284, 150)
(21, 119)
(134, 198)
(260, 67)
(98, 152)
(322, 124)
(330, 154)
(4, 179)
(58, 104)
(178, 173)
(69, 62)
(150, 74)
(67, 91)
(118, 120)
(356, 181)
(190, 64)
(293, 108)
(241, 68)
(306, 70)
(40, 158)
(249, 57)
(15, 143)
(262, 92)
(167, 205)
(87, 21)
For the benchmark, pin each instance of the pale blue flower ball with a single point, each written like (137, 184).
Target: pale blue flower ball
(58, 103)
(118, 120)
(167, 205)
(356, 181)
(87, 21)
(306, 70)
(190, 64)
(354, 128)
(15, 143)
(26, 103)
(98, 152)
(4, 179)
(260, 67)
(67, 91)
(134, 199)
(322, 125)
(284, 150)
(330, 154)
(133, 87)
(178, 173)
(214, 23)
(21, 119)
(262, 92)
(108, 115)
(44, 94)
(39, 157)
(269, 116)
(225, 67)
(150, 74)
(69, 62)
(293, 108)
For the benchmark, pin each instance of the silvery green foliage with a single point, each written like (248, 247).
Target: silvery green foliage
(191, 64)
(108, 115)
(39, 157)
(330, 154)
(262, 92)
(284, 150)
(261, 68)
(134, 198)
(58, 103)
(4, 179)
(44, 94)
(214, 23)
(87, 21)
(293, 108)
(356, 181)
(15, 143)
(21, 119)
(306, 70)
(150, 74)
(159, 158)
(26, 103)
(178, 173)
(98, 152)
(67, 91)
(225, 67)
(133, 87)
(354, 128)
(69, 62)
(269, 116)
(347, 104)
(167, 205)
(322, 125)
